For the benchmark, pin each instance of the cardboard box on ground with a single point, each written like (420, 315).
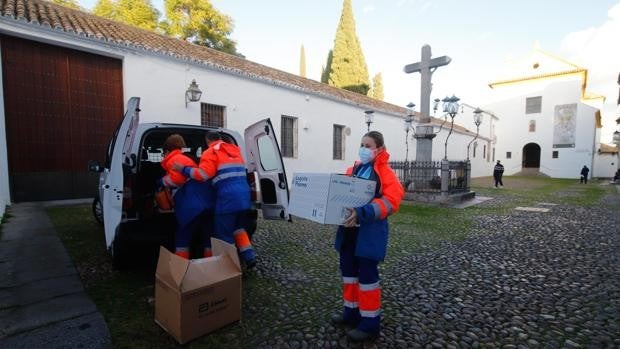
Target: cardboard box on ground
(195, 297)
(324, 197)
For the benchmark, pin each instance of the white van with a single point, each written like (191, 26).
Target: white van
(127, 182)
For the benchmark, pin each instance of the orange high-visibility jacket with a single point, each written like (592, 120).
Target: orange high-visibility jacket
(373, 230)
(223, 163)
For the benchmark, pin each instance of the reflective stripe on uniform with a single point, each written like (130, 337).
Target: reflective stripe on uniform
(227, 175)
(350, 279)
(230, 165)
(353, 305)
(366, 313)
(370, 287)
(198, 174)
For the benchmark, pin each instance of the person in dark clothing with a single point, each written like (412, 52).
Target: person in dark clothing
(498, 172)
(584, 174)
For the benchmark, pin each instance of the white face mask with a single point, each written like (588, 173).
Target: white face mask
(366, 155)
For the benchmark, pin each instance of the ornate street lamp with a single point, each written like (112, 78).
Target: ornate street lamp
(369, 118)
(451, 107)
(477, 121)
(193, 93)
(407, 125)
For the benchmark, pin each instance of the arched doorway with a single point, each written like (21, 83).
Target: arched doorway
(531, 155)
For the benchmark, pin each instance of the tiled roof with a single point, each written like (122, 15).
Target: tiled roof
(48, 15)
(43, 13)
(608, 149)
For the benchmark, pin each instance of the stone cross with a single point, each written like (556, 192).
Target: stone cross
(426, 67)
(424, 133)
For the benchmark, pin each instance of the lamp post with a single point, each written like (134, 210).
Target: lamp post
(407, 125)
(477, 121)
(193, 93)
(451, 107)
(369, 118)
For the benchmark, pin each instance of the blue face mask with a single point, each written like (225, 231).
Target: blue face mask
(366, 155)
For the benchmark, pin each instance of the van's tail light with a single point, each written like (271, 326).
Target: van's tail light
(255, 194)
(127, 194)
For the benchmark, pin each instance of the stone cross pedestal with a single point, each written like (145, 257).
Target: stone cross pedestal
(424, 132)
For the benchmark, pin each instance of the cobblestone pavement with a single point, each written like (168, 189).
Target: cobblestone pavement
(518, 280)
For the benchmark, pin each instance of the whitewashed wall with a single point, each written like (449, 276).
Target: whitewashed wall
(605, 165)
(513, 129)
(161, 82)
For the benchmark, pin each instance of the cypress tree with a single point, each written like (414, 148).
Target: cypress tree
(302, 62)
(348, 67)
(327, 68)
(377, 87)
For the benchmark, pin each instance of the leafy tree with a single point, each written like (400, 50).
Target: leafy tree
(199, 22)
(106, 9)
(377, 87)
(302, 62)
(138, 13)
(328, 67)
(67, 3)
(348, 67)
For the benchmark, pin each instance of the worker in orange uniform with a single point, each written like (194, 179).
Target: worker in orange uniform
(223, 163)
(193, 201)
(362, 241)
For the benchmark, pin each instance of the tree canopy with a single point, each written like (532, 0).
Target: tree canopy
(302, 62)
(199, 22)
(196, 21)
(347, 68)
(377, 87)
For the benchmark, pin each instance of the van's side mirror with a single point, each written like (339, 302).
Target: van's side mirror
(94, 166)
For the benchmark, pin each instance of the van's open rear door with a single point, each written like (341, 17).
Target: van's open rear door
(112, 199)
(264, 158)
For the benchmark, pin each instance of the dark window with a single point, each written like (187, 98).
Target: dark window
(338, 142)
(475, 147)
(212, 115)
(555, 154)
(533, 105)
(287, 136)
(508, 155)
(532, 127)
(484, 151)
(493, 155)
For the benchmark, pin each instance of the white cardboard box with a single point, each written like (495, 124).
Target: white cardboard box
(324, 197)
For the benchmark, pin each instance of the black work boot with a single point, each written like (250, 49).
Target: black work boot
(339, 320)
(356, 335)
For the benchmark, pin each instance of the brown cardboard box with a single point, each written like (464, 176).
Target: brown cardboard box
(195, 297)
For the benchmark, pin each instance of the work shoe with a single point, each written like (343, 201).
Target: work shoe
(356, 335)
(339, 320)
(249, 264)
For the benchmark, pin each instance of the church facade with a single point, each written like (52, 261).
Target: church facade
(550, 122)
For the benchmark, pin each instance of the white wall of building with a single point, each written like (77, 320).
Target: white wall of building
(161, 83)
(605, 165)
(513, 129)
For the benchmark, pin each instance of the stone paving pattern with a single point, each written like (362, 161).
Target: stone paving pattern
(519, 280)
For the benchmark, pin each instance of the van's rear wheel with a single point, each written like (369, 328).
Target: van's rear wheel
(97, 210)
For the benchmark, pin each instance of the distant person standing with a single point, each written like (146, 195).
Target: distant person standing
(584, 174)
(498, 172)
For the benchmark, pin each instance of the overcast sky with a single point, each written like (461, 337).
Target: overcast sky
(479, 36)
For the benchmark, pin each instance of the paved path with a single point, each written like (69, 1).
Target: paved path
(42, 301)
(519, 280)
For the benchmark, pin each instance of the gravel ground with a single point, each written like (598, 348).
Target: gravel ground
(520, 280)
